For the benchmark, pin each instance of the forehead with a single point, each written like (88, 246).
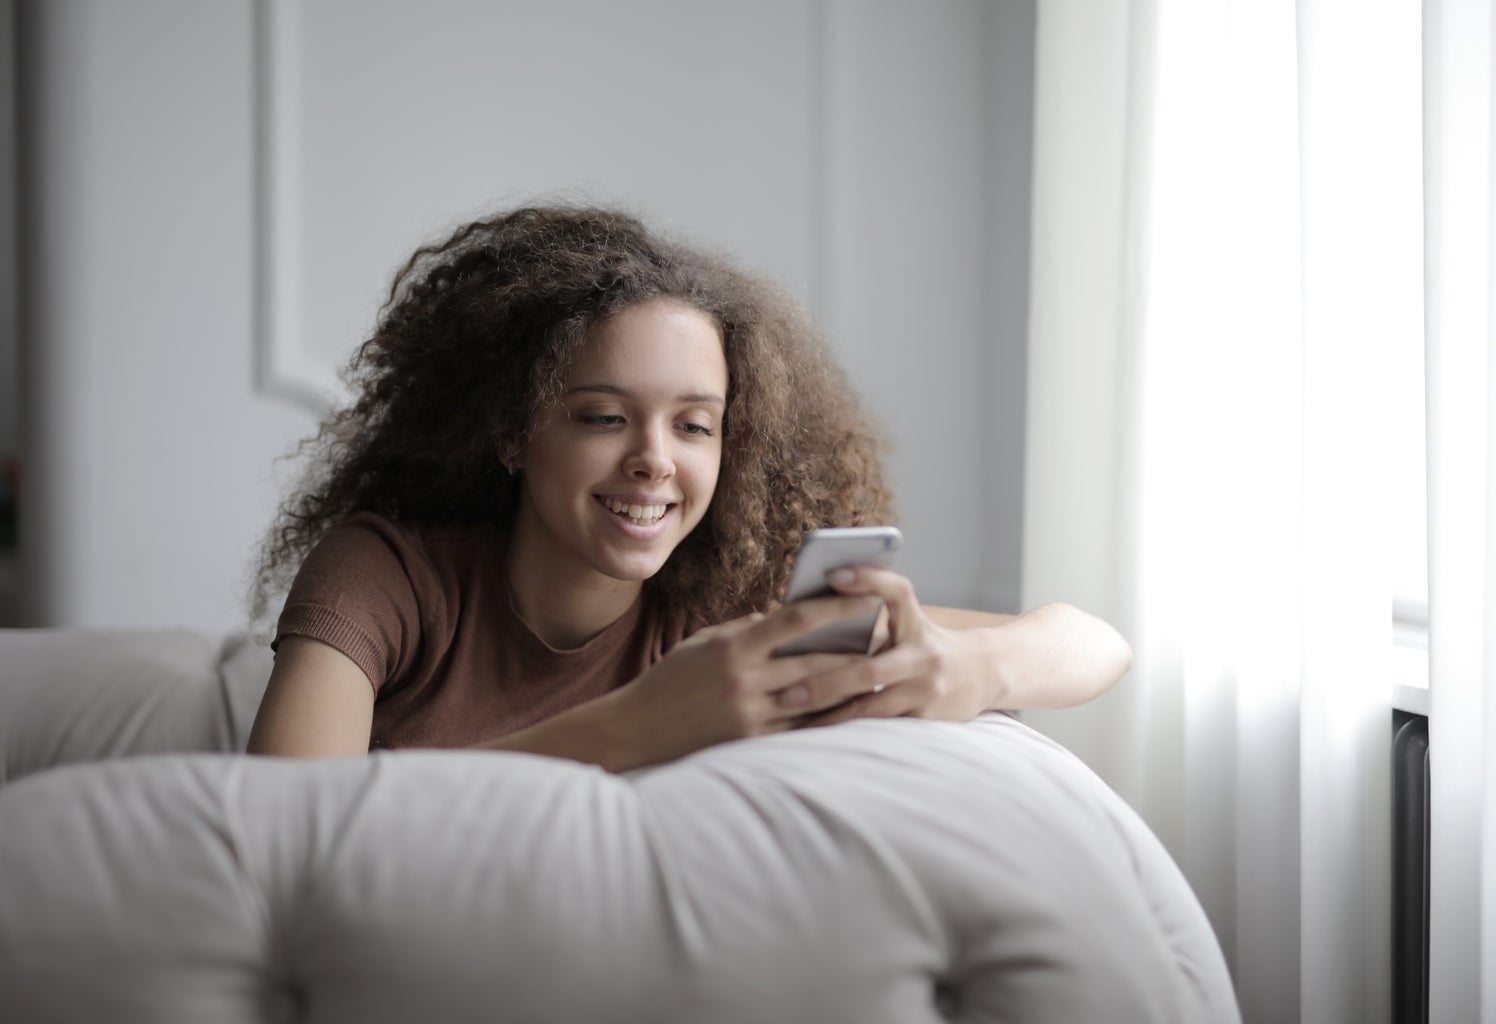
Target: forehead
(660, 341)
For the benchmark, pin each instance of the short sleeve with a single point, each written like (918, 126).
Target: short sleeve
(357, 592)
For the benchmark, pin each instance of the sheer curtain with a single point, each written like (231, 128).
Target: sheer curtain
(1227, 255)
(1458, 115)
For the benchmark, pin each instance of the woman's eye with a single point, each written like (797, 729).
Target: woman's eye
(601, 421)
(696, 429)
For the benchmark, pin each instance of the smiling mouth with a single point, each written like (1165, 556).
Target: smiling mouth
(639, 515)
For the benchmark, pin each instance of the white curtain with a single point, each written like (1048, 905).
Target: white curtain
(1227, 274)
(1458, 111)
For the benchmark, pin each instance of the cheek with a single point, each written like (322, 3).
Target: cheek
(563, 459)
(708, 469)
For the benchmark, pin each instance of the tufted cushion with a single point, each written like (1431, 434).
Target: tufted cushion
(899, 871)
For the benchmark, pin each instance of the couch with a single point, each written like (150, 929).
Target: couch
(879, 871)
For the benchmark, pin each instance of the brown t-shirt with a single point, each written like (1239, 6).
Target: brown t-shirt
(428, 615)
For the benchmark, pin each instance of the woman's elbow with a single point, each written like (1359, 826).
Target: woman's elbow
(1116, 657)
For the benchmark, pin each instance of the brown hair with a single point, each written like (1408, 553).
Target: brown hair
(476, 338)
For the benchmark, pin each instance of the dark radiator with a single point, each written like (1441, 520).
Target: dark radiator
(1409, 868)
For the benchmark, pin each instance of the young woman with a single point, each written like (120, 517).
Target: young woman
(561, 511)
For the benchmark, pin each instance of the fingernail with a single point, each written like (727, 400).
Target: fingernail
(794, 696)
(841, 577)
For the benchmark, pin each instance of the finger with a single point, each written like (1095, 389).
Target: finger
(800, 673)
(835, 684)
(906, 620)
(801, 617)
(783, 675)
(889, 703)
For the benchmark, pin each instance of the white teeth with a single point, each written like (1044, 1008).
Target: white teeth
(639, 515)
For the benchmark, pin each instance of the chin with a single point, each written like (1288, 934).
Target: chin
(633, 570)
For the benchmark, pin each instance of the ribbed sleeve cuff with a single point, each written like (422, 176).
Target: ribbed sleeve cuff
(338, 632)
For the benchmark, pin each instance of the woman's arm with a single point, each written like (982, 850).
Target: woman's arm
(1053, 656)
(318, 703)
(952, 663)
(722, 683)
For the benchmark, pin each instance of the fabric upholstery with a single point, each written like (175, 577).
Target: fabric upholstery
(68, 696)
(898, 871)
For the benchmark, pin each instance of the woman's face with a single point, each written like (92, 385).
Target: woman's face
(623, 467)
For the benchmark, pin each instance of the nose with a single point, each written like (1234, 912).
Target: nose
(649, 456)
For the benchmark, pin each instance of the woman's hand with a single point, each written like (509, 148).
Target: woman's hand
(952, 664)
(725, 683)
(922, 669)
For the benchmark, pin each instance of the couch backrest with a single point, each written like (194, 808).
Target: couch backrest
(70, 696)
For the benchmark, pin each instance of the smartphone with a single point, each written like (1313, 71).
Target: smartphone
(820, 552)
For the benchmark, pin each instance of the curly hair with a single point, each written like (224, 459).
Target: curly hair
(476, 339)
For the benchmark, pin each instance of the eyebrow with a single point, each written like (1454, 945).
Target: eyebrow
(694, 397)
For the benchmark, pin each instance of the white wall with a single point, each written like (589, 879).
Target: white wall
(147, 450)
(192, 277)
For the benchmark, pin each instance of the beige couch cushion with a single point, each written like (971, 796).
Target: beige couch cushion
(69, 696)
(897, 871)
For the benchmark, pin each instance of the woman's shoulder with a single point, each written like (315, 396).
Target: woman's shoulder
(388, 584)
(368, 552)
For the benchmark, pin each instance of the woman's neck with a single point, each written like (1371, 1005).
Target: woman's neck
(564, 605)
